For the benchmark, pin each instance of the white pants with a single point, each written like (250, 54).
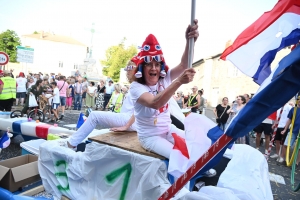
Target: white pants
(104, 119)
(161, 144)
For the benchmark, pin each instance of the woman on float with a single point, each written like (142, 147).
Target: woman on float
(152, 91)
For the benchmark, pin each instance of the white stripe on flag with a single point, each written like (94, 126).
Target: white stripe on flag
(247, 57)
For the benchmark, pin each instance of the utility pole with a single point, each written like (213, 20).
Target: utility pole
(92, 36)
(5, 40)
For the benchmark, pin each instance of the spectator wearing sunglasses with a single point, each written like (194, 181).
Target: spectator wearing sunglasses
(179, 99)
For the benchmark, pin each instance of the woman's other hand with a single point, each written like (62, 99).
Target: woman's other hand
(187, 76)
(192, 31)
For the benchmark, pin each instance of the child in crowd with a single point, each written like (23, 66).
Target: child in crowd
(55, 102)
(48, 95)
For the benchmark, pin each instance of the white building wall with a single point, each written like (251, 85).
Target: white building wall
(48, 55)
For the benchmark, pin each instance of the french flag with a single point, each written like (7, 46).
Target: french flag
(252, 53)
(198, 138)
(81, 120)
(256, 47)
(4, 141)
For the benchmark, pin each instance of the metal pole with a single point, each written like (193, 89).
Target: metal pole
(5, 42)
(191, 40)
(5, 52)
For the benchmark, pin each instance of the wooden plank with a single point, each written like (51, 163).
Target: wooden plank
(63, 197)
(124, 140)
(33, 191)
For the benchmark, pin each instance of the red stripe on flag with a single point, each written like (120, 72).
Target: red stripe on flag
(42, 130)
(196, 167)
(180, 145)
(273, 116)
(262, 23)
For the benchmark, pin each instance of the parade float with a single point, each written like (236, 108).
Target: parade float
(115, 166)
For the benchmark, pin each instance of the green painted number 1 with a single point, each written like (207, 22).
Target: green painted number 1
(111, 178)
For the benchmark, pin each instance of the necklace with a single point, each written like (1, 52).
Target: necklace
(154, 93)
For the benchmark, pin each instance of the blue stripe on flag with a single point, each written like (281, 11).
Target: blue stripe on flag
(279, 91)
(287, 61)
(264, 69)
(80, 120)
(214, 134)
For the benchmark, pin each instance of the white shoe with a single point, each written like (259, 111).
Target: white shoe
(210, 173)
(266, 151)
(280, 160)
(274, 156)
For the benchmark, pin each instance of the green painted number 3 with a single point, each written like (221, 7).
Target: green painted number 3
(111, 178)
(62, 175)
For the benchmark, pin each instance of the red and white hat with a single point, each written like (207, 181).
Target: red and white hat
(150, 50)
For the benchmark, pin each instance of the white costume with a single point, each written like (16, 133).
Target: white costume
(154, 127)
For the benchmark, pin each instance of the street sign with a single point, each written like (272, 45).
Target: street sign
(25, 54)
(4, 58)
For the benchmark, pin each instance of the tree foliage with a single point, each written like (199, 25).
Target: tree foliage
(9, 40)
(117, 57)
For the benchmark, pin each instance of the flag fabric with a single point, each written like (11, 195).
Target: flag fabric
(197, 140)
(273, 116)
(256, 47)
(80, 120)
(274, 92)
(4, 141)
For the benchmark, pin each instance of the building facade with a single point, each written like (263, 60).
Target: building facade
(54, 53)
(221, 79)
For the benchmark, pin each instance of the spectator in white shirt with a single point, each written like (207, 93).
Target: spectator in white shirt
(109, 90)
(279, 138)
(21, 88)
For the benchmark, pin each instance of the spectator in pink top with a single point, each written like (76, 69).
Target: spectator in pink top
(62, 86)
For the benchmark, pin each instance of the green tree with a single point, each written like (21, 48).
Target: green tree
(9, 41)
(117, 57)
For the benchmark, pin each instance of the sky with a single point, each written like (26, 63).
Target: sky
(219, 21)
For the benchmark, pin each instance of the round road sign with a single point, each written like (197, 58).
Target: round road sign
(4, 58)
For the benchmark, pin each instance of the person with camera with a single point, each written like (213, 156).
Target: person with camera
(221, 113)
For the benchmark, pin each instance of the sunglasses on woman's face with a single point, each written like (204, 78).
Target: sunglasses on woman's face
(157, 58)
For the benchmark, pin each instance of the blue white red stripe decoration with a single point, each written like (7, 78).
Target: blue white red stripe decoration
(255, 48)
